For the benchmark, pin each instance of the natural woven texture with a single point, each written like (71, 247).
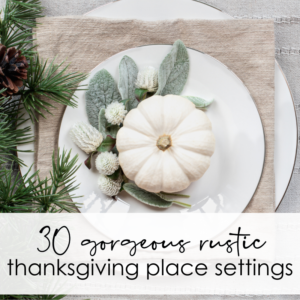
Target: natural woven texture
(245, 46)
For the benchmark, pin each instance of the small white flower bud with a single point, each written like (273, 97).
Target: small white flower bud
(115, 113)
(86, 137)
(108, 186)
(107, 163)
(148, 79)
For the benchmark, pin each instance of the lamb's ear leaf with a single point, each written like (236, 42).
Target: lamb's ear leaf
(145, 197)
(128, 72)
(199, 102)
(105, 130)
(102, 122)
(101, 92)
(174, 70)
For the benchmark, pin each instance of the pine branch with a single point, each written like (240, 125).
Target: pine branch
(22, 40)
(31, 194)
(16, 26)
(23, 13)
(54, 195)
(10, 107)
(16, 193)
(11, 136)
(51, 81)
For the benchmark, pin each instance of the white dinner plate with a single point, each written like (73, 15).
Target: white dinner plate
(286, 129)
(285, 116)
(237, 163)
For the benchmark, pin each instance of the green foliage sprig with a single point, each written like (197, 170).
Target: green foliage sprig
(11, 133)
(31, 194)
(27, 194)
(54, 195)
(11, 137)
(50, 80)
(19, 18)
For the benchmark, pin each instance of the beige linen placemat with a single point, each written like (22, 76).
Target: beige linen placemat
(245, 46)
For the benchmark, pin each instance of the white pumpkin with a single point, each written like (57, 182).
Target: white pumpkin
(165, 144)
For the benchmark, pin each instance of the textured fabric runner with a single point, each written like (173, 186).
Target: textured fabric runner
(245, 46)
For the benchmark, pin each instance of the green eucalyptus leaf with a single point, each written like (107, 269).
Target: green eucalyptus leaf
(128, 71)
(101, 92)
(88, 161)
(115, 175)
(115, 150)
(199, 102)
(174, 70)
(125, 103)
(106, 128)
(113, 130)
(140, 94)
(107, 145)
(145, 197)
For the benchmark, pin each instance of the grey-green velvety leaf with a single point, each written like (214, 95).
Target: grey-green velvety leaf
(145, 197)
(101, 92)
(128, 71)
(164, 197)
(199, 102)
(111, 130)
(174, 70)
(102, 122)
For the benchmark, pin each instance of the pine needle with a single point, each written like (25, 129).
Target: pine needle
(50, 80)
(16, 193)
(55, 193)
(31, 194)
(19, 17)
(11, 136)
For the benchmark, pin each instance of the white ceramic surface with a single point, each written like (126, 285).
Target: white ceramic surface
(152, 10)
(285, 117)
(286, 130)
(237, 163)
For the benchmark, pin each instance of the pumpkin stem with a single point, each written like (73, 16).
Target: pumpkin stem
(164, 142)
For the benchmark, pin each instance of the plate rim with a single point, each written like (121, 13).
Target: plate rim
(297, 132)
(222, 64)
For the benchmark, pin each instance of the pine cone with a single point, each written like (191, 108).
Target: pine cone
(13, 68)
